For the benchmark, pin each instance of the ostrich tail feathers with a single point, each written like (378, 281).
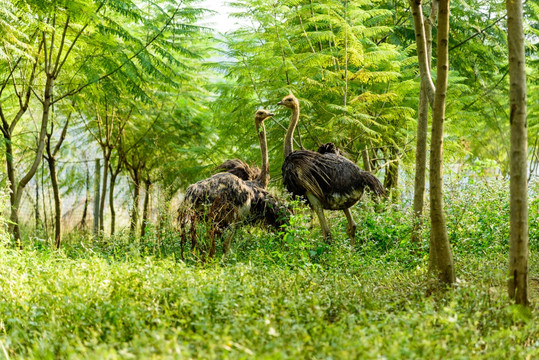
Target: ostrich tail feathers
(239, 168)
(373, 184)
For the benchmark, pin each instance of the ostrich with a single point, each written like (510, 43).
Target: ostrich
(227, 199)
(241, 169)
(327, 179)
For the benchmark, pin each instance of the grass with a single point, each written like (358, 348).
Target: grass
(284, 296)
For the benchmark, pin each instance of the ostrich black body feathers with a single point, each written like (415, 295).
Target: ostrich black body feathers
(336, 181)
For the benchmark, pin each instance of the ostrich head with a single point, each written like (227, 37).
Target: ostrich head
(290, 101)
(261, 115)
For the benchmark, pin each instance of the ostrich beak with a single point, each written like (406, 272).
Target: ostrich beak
(280, 103)
(270, 114)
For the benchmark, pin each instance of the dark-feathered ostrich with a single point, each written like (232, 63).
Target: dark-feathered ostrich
(327, 179)
(226, 199)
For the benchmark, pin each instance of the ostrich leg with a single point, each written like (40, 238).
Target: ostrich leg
(317, 206)
(351, 226)
(228, 239)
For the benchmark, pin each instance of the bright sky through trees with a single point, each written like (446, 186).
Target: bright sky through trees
(221, 21)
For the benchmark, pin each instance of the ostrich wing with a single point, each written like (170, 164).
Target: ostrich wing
(336, 181)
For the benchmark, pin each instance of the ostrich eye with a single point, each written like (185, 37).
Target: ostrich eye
(259, 113)
(288, 99)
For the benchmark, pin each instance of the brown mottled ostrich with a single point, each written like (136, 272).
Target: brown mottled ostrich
(327, 179)
(241, 169)
(225, 199)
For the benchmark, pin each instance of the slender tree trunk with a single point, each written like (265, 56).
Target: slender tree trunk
(147, 184)
(366, 160)
(391, 180)
(17, 197)
(97, 186)
(86, 201)
(113, 176)
(345, 53)
(162, 213)
(57, 201)
(441, 260)
(420, 163)
(518, 250)
(422, 51)
(106, 157)
(51, 159)
(136, 200)
(422, 133)
(37, 206)
(44, 204)
(12, 185)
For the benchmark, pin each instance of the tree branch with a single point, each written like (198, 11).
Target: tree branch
(62, 136)
(421, 42)
(478, 33)
(148, 43)
(62, 42)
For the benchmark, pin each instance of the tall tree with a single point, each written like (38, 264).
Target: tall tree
(440, 255)
(19, 82)
(441, 258)
(518, 251)
(50, 156)
(422, 131)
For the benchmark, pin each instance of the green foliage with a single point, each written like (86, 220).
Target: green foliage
(281, 295)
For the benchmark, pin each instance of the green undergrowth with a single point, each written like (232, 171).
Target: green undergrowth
(280, 295)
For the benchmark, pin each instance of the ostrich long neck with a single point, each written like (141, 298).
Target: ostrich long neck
(289, 137)
(264, 174)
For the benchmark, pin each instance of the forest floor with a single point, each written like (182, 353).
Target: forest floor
(274, 296)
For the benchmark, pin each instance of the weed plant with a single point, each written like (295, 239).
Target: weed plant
(282, 295)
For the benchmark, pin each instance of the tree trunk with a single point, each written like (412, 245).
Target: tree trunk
(57, 201)
(12, 185)
(391, 180)
(441, 258)
(44, 204)
(136, 200)
(97, 186)
(366, 160)
(106, 157)
(420, 163)
(16, 195)
(422, 51)
(518, 250)
(422, 133)
(113, 177)
(51, 159)
(37, 206)
(147, 184)
(86, 201)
